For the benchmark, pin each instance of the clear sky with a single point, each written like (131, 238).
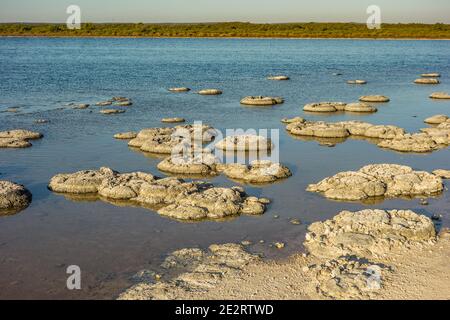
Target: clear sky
(429, 11)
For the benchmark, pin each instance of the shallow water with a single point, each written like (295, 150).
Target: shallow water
(111, 243)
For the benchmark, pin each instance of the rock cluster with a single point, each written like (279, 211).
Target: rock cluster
(325, 107)
(18, 138)
(172, 197)
(385, 136)
(259, 171)
(200, 270)
(13, 196)
(168, 140)
(379, 180)
(261, 101)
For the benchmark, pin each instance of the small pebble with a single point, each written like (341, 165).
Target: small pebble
(296, 222)
(246, 243)
(279, 245)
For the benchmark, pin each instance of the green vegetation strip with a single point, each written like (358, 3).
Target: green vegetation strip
(232, 29)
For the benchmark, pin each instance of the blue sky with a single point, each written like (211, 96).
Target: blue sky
(430, 11)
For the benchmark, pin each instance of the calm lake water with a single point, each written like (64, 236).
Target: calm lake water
(109, 243)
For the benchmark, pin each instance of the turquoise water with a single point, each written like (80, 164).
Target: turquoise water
(109, 243)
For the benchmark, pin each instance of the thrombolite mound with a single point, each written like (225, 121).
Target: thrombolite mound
(126, 135)
(169, 140)
(173, 120)
(278, 78)
(437, 119)
(172, 197)
(104, 103)
(261, 101)
(379, 180)
(210, 92)
(111, 111)
(427, 81)
(13, 196)
(18, 138)
(368, 233)
(357, 82)
(259, 171)
(430, 75)
(374, 98)
(440, 95)
(203, 270)
(325, 107)
(444, 174)
(385, 136)
(81, 106)
(179, 89)
(245, 143)
(292, 120)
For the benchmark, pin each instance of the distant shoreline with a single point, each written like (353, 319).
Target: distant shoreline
(250, 38)
(232, 30)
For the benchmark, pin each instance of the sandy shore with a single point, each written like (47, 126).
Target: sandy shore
(417, 274)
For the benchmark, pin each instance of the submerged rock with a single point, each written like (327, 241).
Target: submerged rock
(13, 196)
(18, 138)
(261, 101)
(244, 143)
(292, 120)
(278, 78)
(172, 197)
(104, 103)
(201, 270)
(440, 95)
(210, 92)
(368, 233)
(379, 180)
(123, 103)
(427, 81)
(375, 98)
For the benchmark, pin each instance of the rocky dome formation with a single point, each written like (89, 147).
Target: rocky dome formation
(278, 78)
(261, 101)
(368, 233)
(440, 95)
(339, 106)
(173, 120)
(374, 98)
(111, 111)
(13, 196)
(379, 180)
(176, 139)
(430, 75)
(180, 89)
(171, 197)
(126, 135)
(210, 92)
(427, 81)
(245, 143)
(18, 138)
(437, 119)
(357, 82)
